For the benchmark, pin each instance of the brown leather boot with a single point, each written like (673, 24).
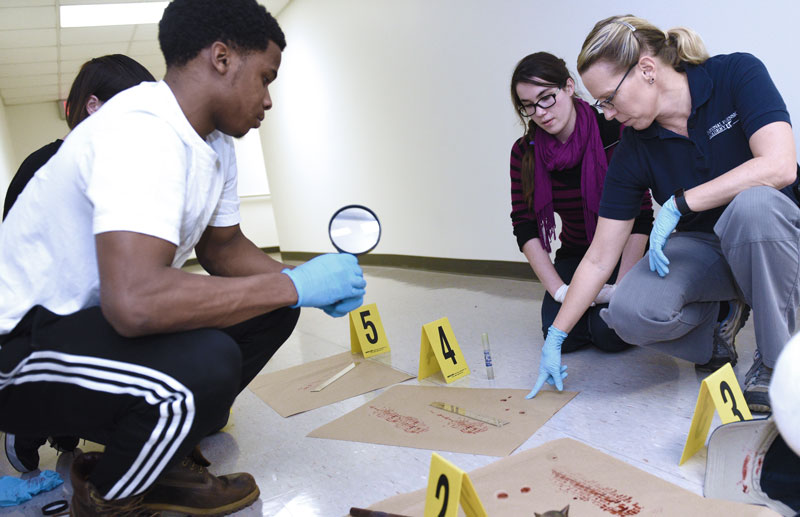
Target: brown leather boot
(188, 487)
(87, 502)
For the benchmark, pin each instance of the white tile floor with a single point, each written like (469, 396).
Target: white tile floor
(635, 405)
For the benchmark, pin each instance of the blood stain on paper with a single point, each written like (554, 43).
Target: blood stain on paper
(405, 423)
(307, 386)
(501, 494)
(521, 412)
(525, 489)
(464, 425)
(605, 498)
(743, 482)
(503, 400)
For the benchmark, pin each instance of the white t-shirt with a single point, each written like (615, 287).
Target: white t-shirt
(136, 165)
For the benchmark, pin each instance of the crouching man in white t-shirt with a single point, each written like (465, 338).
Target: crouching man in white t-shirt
(101, 334)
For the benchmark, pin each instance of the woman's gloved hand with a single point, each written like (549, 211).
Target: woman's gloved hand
(326, 280)
(666, 221)
(605, 294)
(550, 368)
(561, 293)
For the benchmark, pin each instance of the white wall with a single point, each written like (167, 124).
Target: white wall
(404, 107)
(32, 126)
(7, 161)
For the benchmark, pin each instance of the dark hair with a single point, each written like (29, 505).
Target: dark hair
(541, 69)
(102, 77)
(189, 26)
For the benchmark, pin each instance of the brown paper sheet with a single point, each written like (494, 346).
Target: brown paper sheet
(402, 416)
(567, 472)
(289, 391)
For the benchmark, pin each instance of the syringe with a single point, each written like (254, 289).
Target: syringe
(487, 356)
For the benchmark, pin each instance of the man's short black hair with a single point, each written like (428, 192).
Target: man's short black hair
(189, 26)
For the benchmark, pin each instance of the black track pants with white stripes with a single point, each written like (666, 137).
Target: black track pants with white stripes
(150, 400)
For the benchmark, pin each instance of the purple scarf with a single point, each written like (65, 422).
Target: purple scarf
(583, 146)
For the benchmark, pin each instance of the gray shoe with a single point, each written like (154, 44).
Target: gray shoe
(725, 337)
(756, 385)
(23, 452)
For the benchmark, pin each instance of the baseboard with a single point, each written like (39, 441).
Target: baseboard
(494, 268)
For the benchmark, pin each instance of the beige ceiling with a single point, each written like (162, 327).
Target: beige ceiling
(39, 60)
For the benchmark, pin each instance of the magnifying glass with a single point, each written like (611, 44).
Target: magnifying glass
(354, 229)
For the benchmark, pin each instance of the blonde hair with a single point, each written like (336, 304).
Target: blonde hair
(622, 40)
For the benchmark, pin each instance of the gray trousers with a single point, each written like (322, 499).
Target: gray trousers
(753, 255)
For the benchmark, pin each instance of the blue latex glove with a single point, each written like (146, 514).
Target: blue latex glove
(14, 491)
(343, 307)
(666, 221)
(326, 280)
(550, 368)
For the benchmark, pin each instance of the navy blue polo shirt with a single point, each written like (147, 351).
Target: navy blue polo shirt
(733, 96)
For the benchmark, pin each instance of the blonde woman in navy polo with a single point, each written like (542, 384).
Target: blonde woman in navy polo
(711, 137)
(558, 166)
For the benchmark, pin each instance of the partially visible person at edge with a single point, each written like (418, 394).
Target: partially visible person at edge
(712, 140)
(98, 80)
(102, 334)
(558, 166)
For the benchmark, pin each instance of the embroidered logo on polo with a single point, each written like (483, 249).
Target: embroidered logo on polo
(723, 125)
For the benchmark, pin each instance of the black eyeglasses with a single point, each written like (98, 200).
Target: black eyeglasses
(548, 101)
(607, 102)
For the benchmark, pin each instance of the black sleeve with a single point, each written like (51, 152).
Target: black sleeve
(526, 231)
(26, 171)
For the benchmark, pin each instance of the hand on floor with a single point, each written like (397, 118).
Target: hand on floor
(550, 368)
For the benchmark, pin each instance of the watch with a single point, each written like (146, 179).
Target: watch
(680, 202)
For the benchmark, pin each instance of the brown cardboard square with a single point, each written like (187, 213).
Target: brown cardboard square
(402, 416)
(289, 391)
(567, 472)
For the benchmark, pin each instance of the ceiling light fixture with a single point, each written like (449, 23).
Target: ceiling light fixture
(96, 15)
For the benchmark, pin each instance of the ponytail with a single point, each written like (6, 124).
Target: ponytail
(622, 40)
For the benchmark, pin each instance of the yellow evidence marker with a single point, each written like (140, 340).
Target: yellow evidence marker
(439, 350)
(719, 391)
(448, 486)
(366, 331)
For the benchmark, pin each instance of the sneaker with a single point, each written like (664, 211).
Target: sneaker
(189, 488)
(23, 452)
(87, 501)
(756, 385)
(725, 337)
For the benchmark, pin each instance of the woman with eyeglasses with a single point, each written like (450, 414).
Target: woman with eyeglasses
(711, 138)
(558, 166)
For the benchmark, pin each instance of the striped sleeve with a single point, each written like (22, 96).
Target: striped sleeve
(522, 218)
